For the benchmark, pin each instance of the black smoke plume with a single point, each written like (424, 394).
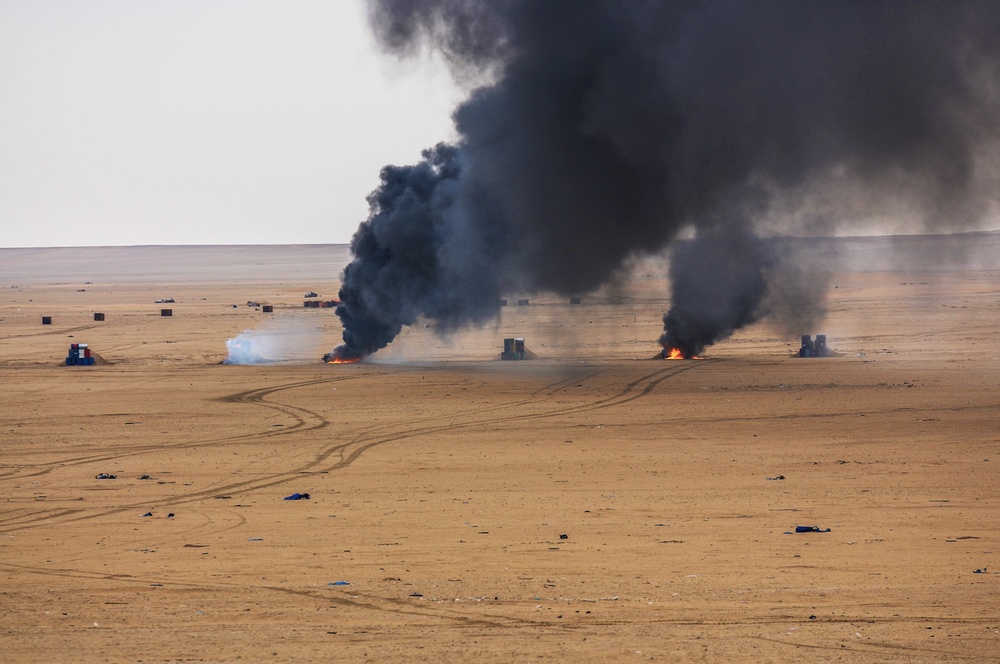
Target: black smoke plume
(606, 129)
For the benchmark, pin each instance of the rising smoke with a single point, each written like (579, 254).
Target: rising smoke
(608, 129)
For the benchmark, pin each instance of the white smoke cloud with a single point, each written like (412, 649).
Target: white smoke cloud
(286, 340)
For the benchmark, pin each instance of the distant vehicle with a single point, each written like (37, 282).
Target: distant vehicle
(311, 294)
(168, 300)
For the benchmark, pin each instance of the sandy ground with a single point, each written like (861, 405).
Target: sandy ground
(593, 505)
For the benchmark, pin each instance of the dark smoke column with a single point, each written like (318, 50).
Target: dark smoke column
(718, 286)
(413, 257)
(609, 129)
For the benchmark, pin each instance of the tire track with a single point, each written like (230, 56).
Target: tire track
(48, 333)
(366, 441)
(345, 453)
(304, 420)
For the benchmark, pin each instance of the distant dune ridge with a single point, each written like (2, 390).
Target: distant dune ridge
(950, 251)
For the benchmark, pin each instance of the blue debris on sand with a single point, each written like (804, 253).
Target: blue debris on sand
(298, 496)
(148, 514)
(339, 583)
(810, 529)
(105, 476)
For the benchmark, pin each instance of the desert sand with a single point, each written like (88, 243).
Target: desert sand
(591, 505)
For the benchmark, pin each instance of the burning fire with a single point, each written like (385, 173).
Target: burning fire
(676, 354)
(341, 355)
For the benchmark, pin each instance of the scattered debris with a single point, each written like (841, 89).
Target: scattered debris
(145, 477)
(339, 583)
(255, 539)
(810, 529)
(148, 514)
(564, 536)
(298, 496)
(776, 477)
(105, 476)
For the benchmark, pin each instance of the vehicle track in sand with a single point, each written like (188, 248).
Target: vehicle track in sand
(303, 420)
(47, 333)
(343, 453)
(347, 453)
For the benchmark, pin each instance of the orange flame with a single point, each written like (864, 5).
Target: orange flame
(343, 355)
(677, 354)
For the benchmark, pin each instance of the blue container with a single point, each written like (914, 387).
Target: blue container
(70, 361)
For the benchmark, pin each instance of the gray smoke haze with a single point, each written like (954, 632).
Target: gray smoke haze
(609, 129)
(274, 341)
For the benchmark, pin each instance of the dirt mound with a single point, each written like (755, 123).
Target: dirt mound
(99, 360)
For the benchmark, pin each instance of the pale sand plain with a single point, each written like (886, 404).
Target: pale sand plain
(443, 481)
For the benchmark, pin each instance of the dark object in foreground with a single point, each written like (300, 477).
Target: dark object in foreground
(817, 348)
(79, 356)
(810, 529)
(105, 476)
(298, 496)
(513, 349)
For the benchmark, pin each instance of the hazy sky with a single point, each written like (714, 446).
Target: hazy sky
(201, 121)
